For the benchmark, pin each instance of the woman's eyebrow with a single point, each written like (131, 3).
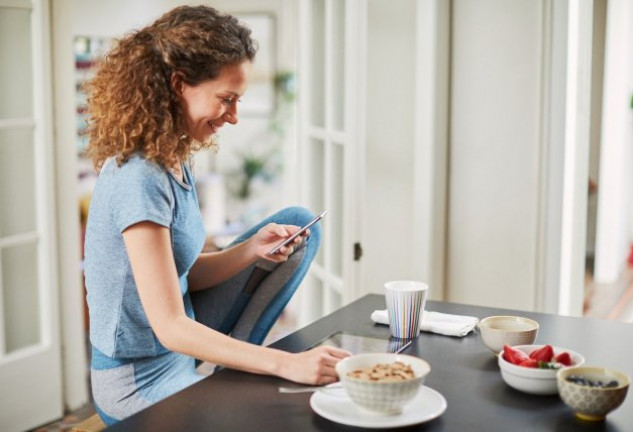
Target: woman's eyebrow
(231, 93)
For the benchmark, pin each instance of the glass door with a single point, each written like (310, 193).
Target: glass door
(30, 364)
(330, 77)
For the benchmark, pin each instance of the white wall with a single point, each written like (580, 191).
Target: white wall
(615, 216)
(113, 18)
(494, 157)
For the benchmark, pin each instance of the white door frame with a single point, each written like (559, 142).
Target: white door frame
(431, 138)
(615, 210)
(74, 357)
(566, 134)
(576, 167)
(355, 77)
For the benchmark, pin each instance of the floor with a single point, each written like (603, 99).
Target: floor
(610, 301)
(603, 301)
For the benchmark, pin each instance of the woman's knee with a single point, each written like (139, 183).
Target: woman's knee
(296, 215)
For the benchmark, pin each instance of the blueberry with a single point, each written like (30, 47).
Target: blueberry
(576, 379)
(589, 383)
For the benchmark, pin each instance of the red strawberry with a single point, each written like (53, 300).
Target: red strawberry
(514, 356)
(545, 354)
(531, 363)
(563, 358)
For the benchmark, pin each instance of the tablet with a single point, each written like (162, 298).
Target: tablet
(364, 344)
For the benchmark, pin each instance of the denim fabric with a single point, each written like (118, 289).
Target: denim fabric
(137, 191)
(298, 216)
(226, 308)
(123, 387)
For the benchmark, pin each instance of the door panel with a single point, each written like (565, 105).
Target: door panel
(337, 204)
(16, 78)
(17, 182)
(338, 65)
(317, 63)
(316, 194)
(21, 300)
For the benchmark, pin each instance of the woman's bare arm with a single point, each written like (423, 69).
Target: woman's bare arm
(150, 253)
(214, 267)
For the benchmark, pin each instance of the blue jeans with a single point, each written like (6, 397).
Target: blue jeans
(250, 316)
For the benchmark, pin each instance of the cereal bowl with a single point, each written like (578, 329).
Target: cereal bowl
(378, 393)
(579, 388)
(533, 380)
(497, 331)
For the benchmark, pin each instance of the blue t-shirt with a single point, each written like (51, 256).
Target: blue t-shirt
(137, 191)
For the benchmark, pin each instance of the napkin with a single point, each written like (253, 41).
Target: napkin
(436, 322)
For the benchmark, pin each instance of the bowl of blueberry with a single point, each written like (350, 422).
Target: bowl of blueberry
(591, 391)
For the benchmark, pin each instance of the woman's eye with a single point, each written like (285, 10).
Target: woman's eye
(229, 101)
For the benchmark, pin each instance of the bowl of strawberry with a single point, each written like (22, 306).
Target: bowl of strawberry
(532, 368)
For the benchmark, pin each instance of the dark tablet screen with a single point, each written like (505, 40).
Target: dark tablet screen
(364, 344)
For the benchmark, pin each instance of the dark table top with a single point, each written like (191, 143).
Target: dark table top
(463, 370)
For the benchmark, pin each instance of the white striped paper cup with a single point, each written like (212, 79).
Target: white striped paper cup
(405, 304)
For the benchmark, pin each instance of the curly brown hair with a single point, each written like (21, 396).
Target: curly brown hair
(131, 105)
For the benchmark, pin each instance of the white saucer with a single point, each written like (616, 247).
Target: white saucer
(336, 406)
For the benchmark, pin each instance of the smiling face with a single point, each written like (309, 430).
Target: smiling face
(209, 105)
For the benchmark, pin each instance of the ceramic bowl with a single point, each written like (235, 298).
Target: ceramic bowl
(532, 380)
(592, 403)
(378, 396)
(496, 331)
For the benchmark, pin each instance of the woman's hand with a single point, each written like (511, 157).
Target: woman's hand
(271, 235)
(315, 366)
(212, 268)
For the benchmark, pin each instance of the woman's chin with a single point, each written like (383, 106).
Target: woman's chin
(211, 142)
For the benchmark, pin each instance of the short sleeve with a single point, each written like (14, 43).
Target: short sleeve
(142, 194)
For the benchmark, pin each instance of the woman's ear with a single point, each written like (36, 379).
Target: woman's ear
(177, 82)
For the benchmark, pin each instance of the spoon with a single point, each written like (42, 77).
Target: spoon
(309, 388)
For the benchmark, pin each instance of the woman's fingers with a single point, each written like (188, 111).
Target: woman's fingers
(334, 356)
(316, 366)
(278, 230)
(331, 357)
(276, 233)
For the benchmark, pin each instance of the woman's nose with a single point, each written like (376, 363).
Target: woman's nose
(231, 115)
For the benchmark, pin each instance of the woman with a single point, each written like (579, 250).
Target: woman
(156, 302)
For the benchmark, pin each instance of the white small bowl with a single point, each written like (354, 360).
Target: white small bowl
(497, 331)
(376, 396)
(532, 380)
(592, 403)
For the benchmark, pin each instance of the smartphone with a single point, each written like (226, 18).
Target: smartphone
(290, 239)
